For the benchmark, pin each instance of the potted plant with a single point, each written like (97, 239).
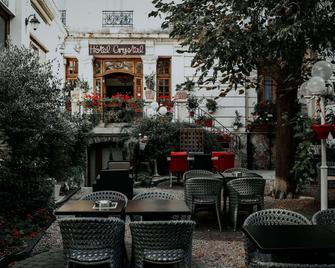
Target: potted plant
(91, 100)
(237, 121)
(183, 89)
(204, 120)
(150, 86)
(192, 104)
(136, 104)
(211, 105)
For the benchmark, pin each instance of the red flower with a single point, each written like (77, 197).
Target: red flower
(15, 233)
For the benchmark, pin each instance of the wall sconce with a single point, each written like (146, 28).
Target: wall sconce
(33, 21)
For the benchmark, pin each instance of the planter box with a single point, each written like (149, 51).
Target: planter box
(113, 104)
(205, 123)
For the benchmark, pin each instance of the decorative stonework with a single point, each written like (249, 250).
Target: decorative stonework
(6, 2)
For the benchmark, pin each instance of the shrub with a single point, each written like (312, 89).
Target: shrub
(43, 139)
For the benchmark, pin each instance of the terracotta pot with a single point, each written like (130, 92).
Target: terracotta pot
(191, 113)
(149, 94)
(322, 131)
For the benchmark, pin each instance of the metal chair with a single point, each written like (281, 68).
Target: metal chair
(268, 217)
(325, 217)
(196, 173)
(202, 161)
(204, 191)
(245, 191)
(161, 242)
(106, 195)
(93, 241)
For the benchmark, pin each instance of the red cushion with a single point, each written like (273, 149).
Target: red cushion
(178, 153)
(225, 160)
(178, 162)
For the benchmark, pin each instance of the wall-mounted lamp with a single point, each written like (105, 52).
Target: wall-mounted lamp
(33, 21)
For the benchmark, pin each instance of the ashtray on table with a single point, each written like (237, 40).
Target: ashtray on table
(104, 204)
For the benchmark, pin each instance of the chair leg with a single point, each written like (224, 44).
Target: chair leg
(170, 178)
(217, 208)
(235, 217)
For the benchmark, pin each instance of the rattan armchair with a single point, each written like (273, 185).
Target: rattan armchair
(197, 173)
(106, 195)
(326, 216)
(204, 191)
(268, 217)
(245, 191)
(238, 169)
(93, 241)
(161, 242)
(152, 195)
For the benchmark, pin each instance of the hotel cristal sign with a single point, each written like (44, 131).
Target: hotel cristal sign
(115, 49)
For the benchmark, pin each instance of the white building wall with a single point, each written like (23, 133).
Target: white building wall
(49, 35)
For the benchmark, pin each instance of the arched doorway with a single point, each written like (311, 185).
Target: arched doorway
(119, 83)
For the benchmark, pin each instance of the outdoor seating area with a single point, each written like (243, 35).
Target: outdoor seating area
(211, 247)
(162, 133)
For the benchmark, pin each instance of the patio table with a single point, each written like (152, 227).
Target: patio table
(157, 209)
(84, 208)
(292, 238)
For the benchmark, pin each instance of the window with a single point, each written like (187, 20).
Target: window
(62, 16)
(38, 48)
(267, 84)
(163, 77)
(4, 28)
(71, 70)
(117, 18)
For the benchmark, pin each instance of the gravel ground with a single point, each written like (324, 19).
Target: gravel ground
(210, 247)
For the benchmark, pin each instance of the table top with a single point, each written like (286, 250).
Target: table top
(231, 175)
(85, 208)
(155, 206)
(279, 238)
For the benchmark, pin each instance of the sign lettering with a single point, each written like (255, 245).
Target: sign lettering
(117, 49)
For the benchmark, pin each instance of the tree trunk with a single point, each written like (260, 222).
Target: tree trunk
(285, 146)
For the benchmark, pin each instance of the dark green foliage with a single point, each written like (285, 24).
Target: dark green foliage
(43, 140)
(164, 137)
(304, 167)
(234, 37)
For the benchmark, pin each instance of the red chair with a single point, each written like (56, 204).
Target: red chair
(178, 164)
(225, 160)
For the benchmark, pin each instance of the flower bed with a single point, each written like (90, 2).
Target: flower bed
(19, 234)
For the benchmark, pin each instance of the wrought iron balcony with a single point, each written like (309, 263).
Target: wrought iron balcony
(117, 18)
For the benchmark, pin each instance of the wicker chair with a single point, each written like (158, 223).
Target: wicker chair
(204, 191)
(245, 191)
(93, 241)
(239, 169)
(268, 217)
(326, 216)
(161, 242)
(197, 173)
(106, 195)
(152, 195)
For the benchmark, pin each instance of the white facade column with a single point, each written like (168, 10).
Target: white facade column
(149, 67)
(85, 62)
(177, 70)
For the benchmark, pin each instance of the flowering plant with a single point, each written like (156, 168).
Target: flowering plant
(91, 100)
(264, 113)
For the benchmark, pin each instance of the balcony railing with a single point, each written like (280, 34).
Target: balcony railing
(5, 2)
(117, 18)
